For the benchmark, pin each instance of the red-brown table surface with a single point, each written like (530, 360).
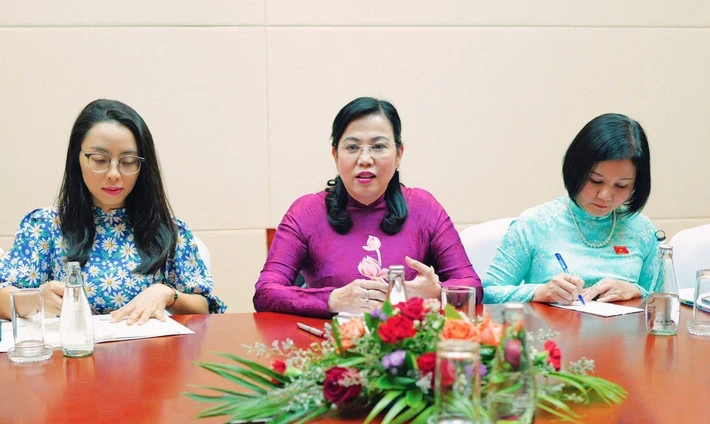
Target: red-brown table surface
(141, 381)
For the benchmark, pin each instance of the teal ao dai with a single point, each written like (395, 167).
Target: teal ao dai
(526, 255)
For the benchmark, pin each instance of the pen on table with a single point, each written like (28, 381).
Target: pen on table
(564, 269)
(314, 331)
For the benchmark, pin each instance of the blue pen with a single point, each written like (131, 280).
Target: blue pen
(564, 269)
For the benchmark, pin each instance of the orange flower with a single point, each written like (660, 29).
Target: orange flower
(350, 332)
(491, 332)
(459, 329)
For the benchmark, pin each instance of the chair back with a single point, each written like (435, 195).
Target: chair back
(204, 252)
(482, 240)
(691, 252)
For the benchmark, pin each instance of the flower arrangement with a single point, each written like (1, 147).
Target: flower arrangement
(385, 364)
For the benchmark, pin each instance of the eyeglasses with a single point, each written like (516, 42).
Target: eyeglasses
(378, 149)
(127, 165)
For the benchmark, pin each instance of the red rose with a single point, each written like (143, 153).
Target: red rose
(396, 328)
(412, 309)
(554, 356)
(341, 385)
(427, 363)
(278, 366)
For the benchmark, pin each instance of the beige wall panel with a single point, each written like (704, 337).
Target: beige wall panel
(201, 91)
(237, 258)
(490, 13)
(131, 13)
(489, 112)
(6, 242)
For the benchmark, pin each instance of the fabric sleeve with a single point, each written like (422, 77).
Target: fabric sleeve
(275, 290)
(450, 260)
(28, 262)
(512, 261)
(649, 281)
(188, 273)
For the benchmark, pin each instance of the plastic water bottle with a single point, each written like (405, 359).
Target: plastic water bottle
(511, 394)
(76, 325)
(663, 308)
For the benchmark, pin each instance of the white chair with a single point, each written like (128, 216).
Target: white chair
(482, 240)
(204, 252)
(691, 252)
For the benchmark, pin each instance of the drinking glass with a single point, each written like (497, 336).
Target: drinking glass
(462, 298)
(699, 325)
(457, 396)
(27, 313)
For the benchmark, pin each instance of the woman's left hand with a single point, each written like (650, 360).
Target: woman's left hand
(611, 290)
(149, 303)
(426, 284)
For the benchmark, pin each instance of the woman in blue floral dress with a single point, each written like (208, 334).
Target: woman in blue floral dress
(113, 217)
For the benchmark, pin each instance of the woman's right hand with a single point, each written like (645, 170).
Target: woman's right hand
(562, 289)
(358, 297)
(52, 293)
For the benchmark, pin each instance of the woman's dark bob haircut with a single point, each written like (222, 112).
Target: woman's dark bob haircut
(337, 198)
(609, 137)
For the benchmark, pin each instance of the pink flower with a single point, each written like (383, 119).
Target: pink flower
(513, 348)
(371, 269)
(373, 244)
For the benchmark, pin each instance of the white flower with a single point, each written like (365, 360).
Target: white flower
(109, 245)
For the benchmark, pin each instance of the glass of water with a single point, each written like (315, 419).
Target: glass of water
(699, 325)
(28, 326)
(457, 396)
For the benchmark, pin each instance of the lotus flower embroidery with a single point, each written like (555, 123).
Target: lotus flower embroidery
(369, 267)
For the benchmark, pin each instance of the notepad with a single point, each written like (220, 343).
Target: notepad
(600, 308)
(104, 331)
(687, 296)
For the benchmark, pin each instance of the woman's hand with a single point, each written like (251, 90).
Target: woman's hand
(562, 289)
(612, 290)
(358, 297)
(52, 295)
(426, 284)
(149, 303)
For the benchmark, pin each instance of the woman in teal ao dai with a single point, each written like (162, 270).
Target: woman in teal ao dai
(610, 248)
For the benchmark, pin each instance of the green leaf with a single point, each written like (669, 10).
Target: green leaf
(451, 312)
(336, 334)
(387, 308)
(395, 410)
(256, 367)
(233, 378)
(388, 398)
(414, 398)
(388, 382)
(423, 418)
(410, 413)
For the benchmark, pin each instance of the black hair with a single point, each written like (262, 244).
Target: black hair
(147, 207)
(337, 198)
(609, 137)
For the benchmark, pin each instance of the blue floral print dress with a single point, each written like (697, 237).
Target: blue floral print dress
(38, 255)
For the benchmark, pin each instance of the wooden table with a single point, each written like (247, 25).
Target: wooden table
(141, 381)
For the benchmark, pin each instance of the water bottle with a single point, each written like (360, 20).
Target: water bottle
(663, 308)
(76, 325)
(510, 396)
(396, 292)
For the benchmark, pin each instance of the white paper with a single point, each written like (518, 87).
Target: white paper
(600, 308)
(104, 331)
